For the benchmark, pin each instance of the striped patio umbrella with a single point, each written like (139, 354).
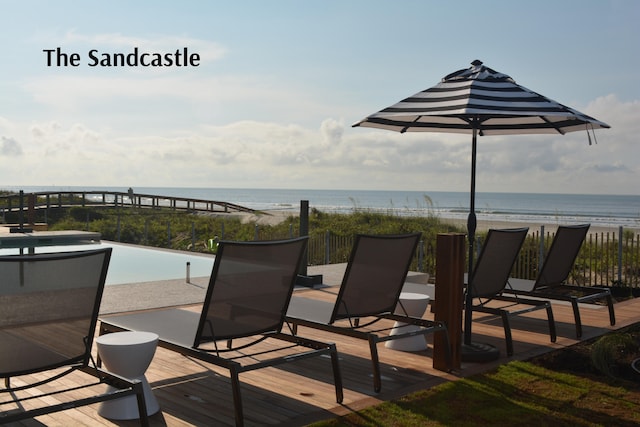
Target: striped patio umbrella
(480, 101)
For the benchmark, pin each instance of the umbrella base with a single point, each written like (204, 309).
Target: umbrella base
(479, 353)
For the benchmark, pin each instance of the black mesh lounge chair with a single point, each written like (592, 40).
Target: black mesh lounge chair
(551, 281)
(489, 279)
(245, 304)
(370, 291)
(48, 315)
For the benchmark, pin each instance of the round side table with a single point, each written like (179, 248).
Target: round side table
(415, 304)
(128, 354)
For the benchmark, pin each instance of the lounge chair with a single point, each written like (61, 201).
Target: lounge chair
(49, 310)
(551, 281)
(245, 304)
(489, 279)
(369, 293)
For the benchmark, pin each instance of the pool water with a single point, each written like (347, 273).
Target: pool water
(133, 264)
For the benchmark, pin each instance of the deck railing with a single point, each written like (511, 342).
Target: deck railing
(605, 259)
(47, 200)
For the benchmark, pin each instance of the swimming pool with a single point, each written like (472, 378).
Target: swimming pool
(133, 264)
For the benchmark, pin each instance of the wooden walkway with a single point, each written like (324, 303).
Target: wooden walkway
(192, 393)
(47, 200)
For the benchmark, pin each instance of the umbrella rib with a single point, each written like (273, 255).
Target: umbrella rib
(560, 131)
(404, 129)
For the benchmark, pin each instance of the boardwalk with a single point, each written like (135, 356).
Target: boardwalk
(191, 393)
(46, 200)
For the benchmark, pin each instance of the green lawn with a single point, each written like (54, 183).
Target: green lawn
(515, 394)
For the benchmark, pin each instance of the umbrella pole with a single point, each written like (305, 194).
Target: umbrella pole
(471, 233)
(473, 352)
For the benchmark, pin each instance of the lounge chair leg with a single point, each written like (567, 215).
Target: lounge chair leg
(337, 375)
(576, 316)
(612, 314)
(468, 317)
(507, 332)
(237, 399)
(142, 405)
(552, 324)
(377, 377)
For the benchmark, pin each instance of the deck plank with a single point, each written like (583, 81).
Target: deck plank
(193, 393)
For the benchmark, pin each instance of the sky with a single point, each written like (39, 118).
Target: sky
(279, 83)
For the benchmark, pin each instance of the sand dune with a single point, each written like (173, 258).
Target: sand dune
(276, 217)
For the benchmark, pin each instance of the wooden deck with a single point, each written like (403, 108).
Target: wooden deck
(192, 393)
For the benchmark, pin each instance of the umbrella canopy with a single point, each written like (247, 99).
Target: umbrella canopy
(480, 101)
(483, 100)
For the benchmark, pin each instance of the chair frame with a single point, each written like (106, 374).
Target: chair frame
(85, 363)
(553, 285)
(216, 356)
(350, 324)
(505, 312)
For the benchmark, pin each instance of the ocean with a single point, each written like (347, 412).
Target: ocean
(599, 210)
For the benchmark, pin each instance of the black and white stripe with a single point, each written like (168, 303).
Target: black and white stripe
(481, 98)
(479, 101)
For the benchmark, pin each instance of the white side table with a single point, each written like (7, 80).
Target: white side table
(128, 354)
(415, 304)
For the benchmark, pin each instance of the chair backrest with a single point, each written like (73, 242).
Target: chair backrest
(249, 289)
(493, 267)
(375, 275)
(562, 255)
(49, 307)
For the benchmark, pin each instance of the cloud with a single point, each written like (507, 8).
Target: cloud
(255, 153)
(10, 147)
(332, 131)
(616, 167)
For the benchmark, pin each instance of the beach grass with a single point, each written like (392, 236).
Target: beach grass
(601, 263)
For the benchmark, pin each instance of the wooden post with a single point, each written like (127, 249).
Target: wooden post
(450, 261)
(31, 208)
(304, 231)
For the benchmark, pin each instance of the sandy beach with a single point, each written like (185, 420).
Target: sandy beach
(550, 227)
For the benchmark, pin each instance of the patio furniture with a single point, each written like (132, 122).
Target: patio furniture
(49, 305)
(245, 304)
(551, 281)
(369, 293)
(489, 279)
(128, 354)
(415, 304)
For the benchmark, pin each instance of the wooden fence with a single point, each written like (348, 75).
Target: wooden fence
(606, 258)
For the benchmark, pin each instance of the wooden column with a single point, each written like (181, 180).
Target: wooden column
(304, 231)
(31, 208)
(450, 261)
